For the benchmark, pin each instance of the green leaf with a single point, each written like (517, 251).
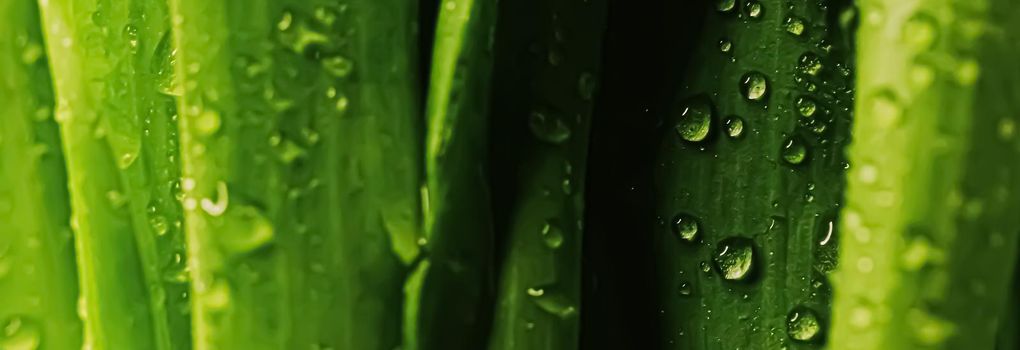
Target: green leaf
(749, 178)
(38, 287)
(302, 150)
(548, 56)
(930, 237)
(449, 294)
(121, 148)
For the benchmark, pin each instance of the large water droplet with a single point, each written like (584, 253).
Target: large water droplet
(245, 229)
(685, 227)
(552, 235)
(734, 258)
(548, 127)
(695, 120)
(20, 333)
(794, 25)
(803, 325)
(754, 86)
(794, 151)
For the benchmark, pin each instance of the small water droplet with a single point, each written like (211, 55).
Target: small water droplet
(754, 86)
(885, 108)
(725, 45)
(586, 86)
(725, 5)
(131, 33)
(552, 235)
(803, 325)
(555, 304)
(207, 122)
(285, 21)
(794, 151)
(245, 229)
(806, 106)
(809, 63)
(216, 207)
(734, 126)
(685, 227)
(685, 289)
(753, 9)
(116, 199)
(338, 65)
(695, 120)
(794, 25)
(734, 258)
(920, 32)
(548, 127)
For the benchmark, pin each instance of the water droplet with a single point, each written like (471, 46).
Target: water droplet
(548, 127)
(555, 304)
(338, 65)
(552, 235)
(920, 32)
(159, 224)
(734, 126)
(207, 122)
(685, 227)
(217, 297)
(753, 9)
(802, 324)
(245, 229)
(725, 5)
(885, 108)
(116, 199)
(219, 205)
(753, 86)
(131, 33)
(967, 72)
(31, 53)
(794, 25)
(20, 333)
(685, 289)
(809, 63)
(695, 120)
(734, 258)
(806, 106)
(586, 86)
(794, 151)
(285, 21)
(725, 45)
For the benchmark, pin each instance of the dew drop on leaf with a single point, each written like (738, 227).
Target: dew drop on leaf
(20, 333)
(548, 127)
(753, 9)
(685, 227)
(806, 106)
(695, 120)
(794, 151)
(803, 325)
(794, 25)
(552, 234)
(754, 86)
(725, 5)
(734, 258)
(734, 126)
